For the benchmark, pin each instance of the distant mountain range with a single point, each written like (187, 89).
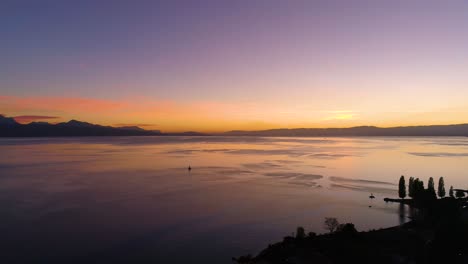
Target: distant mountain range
(10, 128)
(361, 131)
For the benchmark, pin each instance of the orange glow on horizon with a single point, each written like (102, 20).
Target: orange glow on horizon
(172, 116)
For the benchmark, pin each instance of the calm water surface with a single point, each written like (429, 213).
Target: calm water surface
(132, 199)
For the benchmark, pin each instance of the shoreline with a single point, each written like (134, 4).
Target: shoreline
(437, 237)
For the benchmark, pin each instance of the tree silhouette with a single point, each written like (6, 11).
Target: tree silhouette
(418, 188)
(430, 186)
(415, 187)
(347, 228)
(331, 224)
(300, 232)
(402, 187)
(441, 188)
(460, 194)
(451, 191)
(411, 187)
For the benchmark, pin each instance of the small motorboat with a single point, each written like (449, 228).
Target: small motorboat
(372, 196)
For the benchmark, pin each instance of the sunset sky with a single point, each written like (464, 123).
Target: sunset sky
(214, 65)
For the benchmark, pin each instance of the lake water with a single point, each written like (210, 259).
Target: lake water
(132, 199)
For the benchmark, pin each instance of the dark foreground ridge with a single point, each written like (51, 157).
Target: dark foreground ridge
(437, 233)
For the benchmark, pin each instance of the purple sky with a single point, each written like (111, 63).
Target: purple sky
(257, 64)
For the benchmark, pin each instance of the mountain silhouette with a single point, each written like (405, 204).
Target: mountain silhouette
(360, 131)
(73, 128)
(7, 121)
(132, 128)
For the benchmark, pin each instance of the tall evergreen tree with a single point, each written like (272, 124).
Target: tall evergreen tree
(402, 187)
(441, 188)
(415, 187)
(451, 191)
(411, 187)
(418, 188)
(430, 186)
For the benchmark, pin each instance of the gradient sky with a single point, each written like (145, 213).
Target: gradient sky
(222, 65)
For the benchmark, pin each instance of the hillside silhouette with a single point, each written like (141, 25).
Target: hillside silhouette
(434, 130)
(73, 128)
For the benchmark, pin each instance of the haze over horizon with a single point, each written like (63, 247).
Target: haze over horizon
(215, 66)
